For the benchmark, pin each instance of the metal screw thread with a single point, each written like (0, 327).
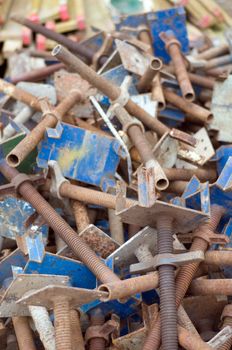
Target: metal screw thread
(62, 324)
(168, 312)
(185, 276)
(227, 345)
(77, 337)
(97, 319)
(23, 333)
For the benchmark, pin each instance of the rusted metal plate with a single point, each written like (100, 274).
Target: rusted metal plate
(165, 151)
(99, 241)
(199, 307)
(132, 59)
(47, 296)
(221, 109)
(20, 286)
(65, 82)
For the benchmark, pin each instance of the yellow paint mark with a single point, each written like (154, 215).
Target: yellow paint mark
(67, 157)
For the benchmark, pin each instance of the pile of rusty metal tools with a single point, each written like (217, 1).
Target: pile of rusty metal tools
(115, 196)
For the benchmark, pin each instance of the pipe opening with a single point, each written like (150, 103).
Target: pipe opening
(209, 118)
(56, 50)
(189, 97)
(105, 289)
(156, 64)
(161, 105)
(162, 184)
(12, 160)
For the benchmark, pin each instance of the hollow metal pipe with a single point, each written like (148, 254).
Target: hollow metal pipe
(201, 286)
(194, 113)
(173, 47)
(152, 70)
(23, 333)
(157, 92)
(213, 52)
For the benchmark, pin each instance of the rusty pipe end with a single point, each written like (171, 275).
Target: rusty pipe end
(106, 296)
(56, 50)
(12, 160)
(189, 96)
(156, 64)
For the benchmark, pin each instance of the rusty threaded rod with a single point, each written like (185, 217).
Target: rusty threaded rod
(60, 226)
(195, 113)
(186, 273)
(152, 70)
(168, 311)
(173, 47)
(107, 88)
(97, 319)
(37, 74)
(201, 286)
(23, 333)
(78, 49)
(62, 318)
(77, 337)
(24, 147)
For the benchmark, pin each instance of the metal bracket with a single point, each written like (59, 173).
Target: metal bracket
(57, 178)
(167, 259)
(102, 331)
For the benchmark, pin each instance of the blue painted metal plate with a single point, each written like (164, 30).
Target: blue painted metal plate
(82, 155)
(171, 19)
(80, 275)
(13, 215)
(14, 259)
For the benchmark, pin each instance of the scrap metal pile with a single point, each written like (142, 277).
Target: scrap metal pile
(116, 192)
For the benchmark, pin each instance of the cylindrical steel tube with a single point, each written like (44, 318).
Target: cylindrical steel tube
(23, 333)
(219, 61)
(59, 225)
(218, 258)
(116, 226)
(168, 311)
(201, 80)
(227, 321)
(62, 318)
(177, 187)
(202, 286)
(38, 74)
(174, 174)
(173, 47)
(213, 52)
(76, 48)
(157, 92)
(24, 147)
(194, 113)
(145, 37)
(131, 286)
(19, 94)
(190, 341)
(152, 70)
(107, 88)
